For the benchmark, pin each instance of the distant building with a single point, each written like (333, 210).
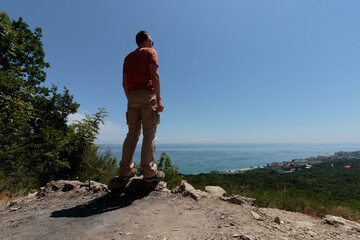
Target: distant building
(300, 162)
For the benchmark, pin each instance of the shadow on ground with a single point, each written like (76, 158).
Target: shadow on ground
(121, 198)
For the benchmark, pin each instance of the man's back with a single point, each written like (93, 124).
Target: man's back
(136, 67)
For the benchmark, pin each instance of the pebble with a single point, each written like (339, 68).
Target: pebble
(277, 220)
(312, 234)
(256, 216)
(244, 237)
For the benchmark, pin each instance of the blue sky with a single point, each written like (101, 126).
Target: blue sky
(231, 71)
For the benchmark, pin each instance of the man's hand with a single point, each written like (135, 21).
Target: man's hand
(160, 106)
(155, 77)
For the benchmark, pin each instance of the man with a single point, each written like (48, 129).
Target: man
(141, 83)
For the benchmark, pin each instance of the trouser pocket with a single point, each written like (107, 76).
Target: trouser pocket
(150, 118)
(133, 117)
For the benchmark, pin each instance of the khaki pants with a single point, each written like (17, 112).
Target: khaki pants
(141, 111)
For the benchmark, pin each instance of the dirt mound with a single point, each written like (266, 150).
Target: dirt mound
(76, 210)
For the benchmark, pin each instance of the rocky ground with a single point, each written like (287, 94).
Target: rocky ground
(75, 210)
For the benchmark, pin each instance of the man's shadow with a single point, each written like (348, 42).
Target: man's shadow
(114, 200)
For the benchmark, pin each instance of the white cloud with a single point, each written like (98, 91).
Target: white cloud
(109, 132)
(72, 118)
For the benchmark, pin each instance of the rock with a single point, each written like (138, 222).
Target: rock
(71, 186)
(97, 187)
(136, 185)
(332, 220)
(277, 220)
(311, 233)
(139, 186)
(161, 186)
(188, 190)
(244, 237)
(239, 200)
(215, 190)
(116, 183)
(241, 236)
(68, 187)
(256, 216)
(339, 221)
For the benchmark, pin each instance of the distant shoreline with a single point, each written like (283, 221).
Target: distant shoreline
(290, 166)
(202, 158)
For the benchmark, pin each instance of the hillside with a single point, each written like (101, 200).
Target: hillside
(75, 210)
(331, 187)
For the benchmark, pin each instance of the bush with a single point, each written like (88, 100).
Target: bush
(172, 176)
(97, 165)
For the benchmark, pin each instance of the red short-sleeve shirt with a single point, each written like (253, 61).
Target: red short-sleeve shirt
(136, 67)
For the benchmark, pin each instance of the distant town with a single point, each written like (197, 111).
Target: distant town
(290, 166)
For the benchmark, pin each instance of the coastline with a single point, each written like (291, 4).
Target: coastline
(290, 166)
(204, 157)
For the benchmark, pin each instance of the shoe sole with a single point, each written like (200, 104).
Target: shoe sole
(153, 180)
(127, 178)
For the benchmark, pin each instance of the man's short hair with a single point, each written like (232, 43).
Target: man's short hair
(141, 37)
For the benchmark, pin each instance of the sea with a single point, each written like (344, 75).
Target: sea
(198, 158)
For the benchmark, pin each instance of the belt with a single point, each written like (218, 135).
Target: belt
(140, 88)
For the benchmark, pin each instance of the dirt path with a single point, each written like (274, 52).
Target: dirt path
(75, 214)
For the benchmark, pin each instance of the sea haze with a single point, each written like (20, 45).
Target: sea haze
(204, 157)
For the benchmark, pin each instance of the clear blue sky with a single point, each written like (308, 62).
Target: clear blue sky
(231, 71)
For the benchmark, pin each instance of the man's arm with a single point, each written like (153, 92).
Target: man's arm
(125, 84)
(155, 78)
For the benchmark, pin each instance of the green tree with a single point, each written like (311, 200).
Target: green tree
(21, 50)
(15, 110)
(36, 143)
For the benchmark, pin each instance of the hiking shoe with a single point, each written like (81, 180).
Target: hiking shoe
(160, 175)
(132, 174)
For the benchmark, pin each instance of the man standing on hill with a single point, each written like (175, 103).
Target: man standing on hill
(141, 82)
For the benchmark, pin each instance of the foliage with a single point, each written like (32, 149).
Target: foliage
(21, 50)
(317, 191)
(36, 143)
(85, 162)
(97, 165)
(172, 176)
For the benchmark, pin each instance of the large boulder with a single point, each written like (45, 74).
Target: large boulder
(215, 190)
(239, 200)
(341, 222)
(188, 190)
